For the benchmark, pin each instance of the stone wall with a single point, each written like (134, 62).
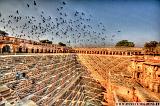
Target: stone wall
(110, 51)
(43, 78)
(17, 45)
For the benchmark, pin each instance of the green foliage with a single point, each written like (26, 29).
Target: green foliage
(46, 41)
(61, 44)
(150, 46)
(3, 33)
(125, 43)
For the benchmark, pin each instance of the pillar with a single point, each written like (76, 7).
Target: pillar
(126, 53)
(0, 50)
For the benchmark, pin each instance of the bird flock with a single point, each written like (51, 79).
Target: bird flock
(72, 28)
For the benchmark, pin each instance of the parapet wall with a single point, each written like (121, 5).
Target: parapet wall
(110, 51)
(17, 45)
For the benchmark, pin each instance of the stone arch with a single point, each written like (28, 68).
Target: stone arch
(37, 50)
(104, 52)
(135, 53)
(49, 51)
(32, 50)
(20, 49)
(6, 49)
(117, 53)
(26, 50)
(139, 53)
(60, 51)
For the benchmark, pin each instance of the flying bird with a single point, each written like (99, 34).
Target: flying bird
(27, 5)
(17, 12)
(35, 3)
(77, 27)
(64, 3)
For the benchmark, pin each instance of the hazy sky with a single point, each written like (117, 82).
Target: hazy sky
(138, 20)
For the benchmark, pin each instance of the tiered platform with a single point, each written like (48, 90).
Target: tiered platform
(47, 79)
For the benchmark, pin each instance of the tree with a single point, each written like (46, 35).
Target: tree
(46, 41)
(153, 43)
(3, 33)
(150, 46)
(61, 44)
(125, 43)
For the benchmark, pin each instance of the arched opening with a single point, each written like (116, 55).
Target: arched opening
(37, 50)
(26, 50)
(6, 49)
(104, 52)
(20, 50)
(116, 53)
(32, 51)
(135, 53)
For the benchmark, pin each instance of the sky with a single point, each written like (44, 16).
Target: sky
(134, 20)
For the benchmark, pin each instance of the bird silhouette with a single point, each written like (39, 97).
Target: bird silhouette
(74, 27)
(28, 5)
(35, 3)
(17, 12)
(64, 3)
